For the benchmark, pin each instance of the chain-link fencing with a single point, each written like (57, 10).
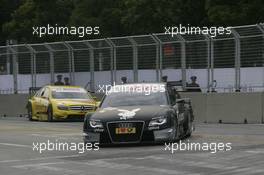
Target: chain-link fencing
(225, 63)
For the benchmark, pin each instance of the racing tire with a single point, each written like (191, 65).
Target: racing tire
(50, 114)
(30, 112)
(177, 135)
(176, 132)
(188, 127)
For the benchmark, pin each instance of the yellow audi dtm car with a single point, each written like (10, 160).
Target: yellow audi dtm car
(60, 103)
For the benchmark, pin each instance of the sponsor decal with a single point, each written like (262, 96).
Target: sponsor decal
(126, 130)
(99, 130)
(107, 109)
(62, 89)
(126, 114)
(154, 128)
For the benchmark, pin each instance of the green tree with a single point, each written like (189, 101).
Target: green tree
(6, 8)
(148, 16)
(121, 17)
(106, 14)
(235, 12)
(32, 13)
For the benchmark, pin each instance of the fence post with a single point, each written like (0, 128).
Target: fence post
(33, 65)
(208, 42)
(261, 28)
(71, 62)
(15, 67)
(7, 58)
(212, 61)
(113, 60)
(51, 53)
(92, 81)
(237, 61)
(158, 51)
(183, 60)
(135, 58)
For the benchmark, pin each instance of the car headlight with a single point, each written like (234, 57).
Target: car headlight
(95, 124)
(63, 107)
(158, 121)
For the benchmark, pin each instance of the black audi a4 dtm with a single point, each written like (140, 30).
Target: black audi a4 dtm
(143, 112)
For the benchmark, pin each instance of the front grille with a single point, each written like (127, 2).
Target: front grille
(81, 108)
(125, 138)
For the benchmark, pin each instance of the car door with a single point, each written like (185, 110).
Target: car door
(44, 101)
(37, 101)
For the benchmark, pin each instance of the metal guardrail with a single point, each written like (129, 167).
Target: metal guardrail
(158, 52)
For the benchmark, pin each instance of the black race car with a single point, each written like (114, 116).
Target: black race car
(144, 112)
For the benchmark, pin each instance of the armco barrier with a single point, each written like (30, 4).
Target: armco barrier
(211, 108)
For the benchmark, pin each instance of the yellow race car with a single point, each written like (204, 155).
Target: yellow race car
(60, 103)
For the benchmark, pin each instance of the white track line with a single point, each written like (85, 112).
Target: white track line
(255, 151)
(47, 167)
(16, 145)
(124, 166)
(40, 158)
(60, 136)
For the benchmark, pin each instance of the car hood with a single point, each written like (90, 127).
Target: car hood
(125, 113)
(69, 102)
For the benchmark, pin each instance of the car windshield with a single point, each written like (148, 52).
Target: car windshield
(134, 99)
(70, 95)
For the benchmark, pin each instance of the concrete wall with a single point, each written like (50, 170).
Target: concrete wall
(234, 107)
(13, 105)
(228, 107)
(262, 107)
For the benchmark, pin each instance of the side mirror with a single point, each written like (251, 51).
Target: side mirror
(187, 100)
(45, 97)
(180, 100)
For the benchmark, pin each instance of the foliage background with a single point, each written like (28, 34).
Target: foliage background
(121, 17)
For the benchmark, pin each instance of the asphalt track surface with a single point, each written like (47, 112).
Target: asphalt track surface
(17, 136)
